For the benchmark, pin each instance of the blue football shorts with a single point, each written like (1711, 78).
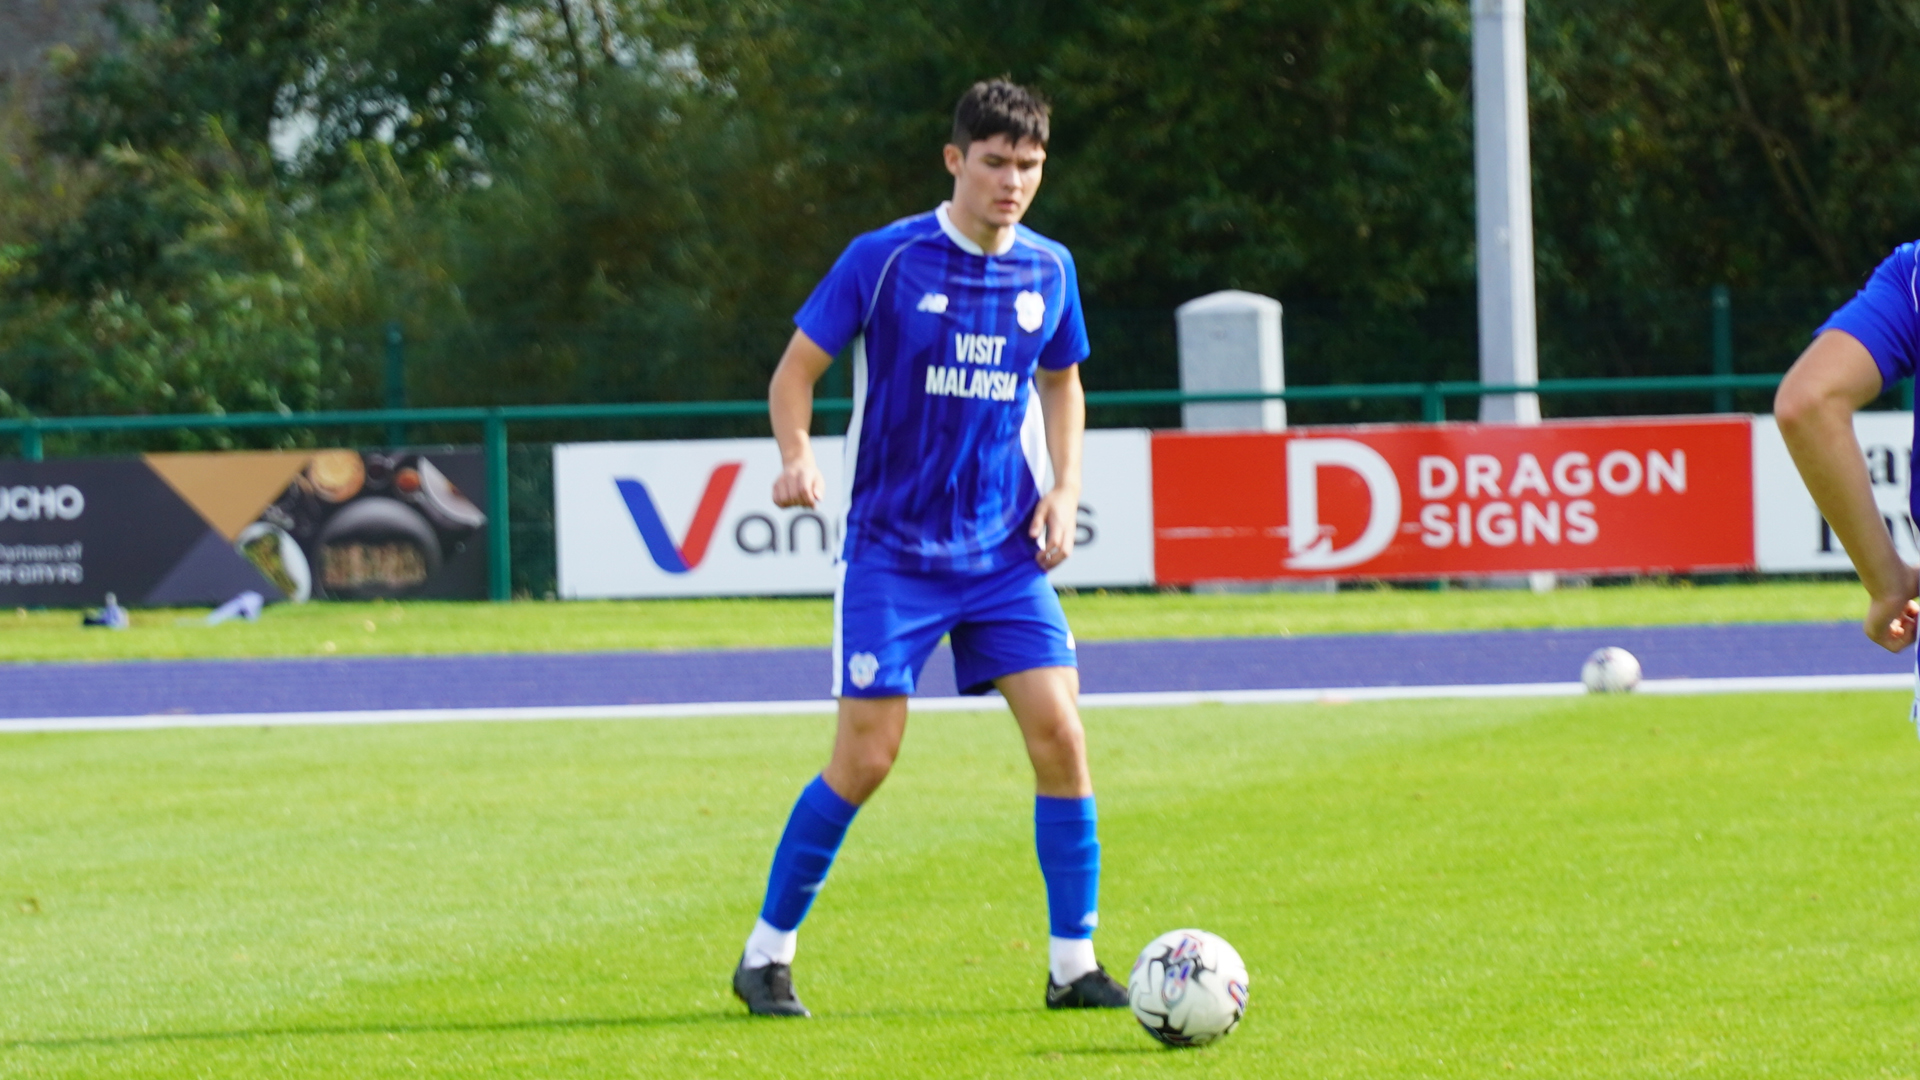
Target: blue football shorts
(886, 623)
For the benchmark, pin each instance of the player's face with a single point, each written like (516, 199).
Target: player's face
(994, 181)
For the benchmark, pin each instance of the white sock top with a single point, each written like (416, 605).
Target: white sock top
(1069, 958)
(767, 945)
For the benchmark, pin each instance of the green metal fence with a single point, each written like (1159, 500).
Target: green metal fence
(493, 422)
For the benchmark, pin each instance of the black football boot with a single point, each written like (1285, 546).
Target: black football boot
(1094, 990)
(768, 991)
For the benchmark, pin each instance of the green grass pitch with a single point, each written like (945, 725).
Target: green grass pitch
(423, 627)
(1628, 887)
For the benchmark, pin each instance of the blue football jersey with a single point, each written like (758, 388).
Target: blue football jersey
(1885, 317)
(945, 449)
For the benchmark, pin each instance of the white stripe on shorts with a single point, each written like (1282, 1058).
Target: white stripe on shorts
(1914, 713)
(839, 638)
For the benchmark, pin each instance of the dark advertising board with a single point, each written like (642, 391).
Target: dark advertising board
(185, 529)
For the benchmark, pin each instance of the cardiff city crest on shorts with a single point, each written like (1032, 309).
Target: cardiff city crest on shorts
(861, 668)
(1031, 309)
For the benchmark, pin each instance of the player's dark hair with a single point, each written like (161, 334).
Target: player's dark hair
(999, 107)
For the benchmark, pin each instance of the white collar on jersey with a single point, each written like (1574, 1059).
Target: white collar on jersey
(966, 244)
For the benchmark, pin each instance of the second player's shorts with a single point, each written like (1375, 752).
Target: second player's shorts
(886, 623)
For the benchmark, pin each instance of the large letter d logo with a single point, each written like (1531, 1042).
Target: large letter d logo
(1312, 551)
(671, 557)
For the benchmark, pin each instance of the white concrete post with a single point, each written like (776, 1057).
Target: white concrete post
(1230, 341)
(1503, 186)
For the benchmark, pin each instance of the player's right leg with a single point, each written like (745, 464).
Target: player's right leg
(865, 745)
(885, 627)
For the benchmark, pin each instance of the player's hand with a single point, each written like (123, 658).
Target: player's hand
(1891, 622)
(800, 484)
(1054, 523)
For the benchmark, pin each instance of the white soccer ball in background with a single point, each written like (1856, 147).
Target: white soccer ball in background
(1188, 988)
(1611, 670)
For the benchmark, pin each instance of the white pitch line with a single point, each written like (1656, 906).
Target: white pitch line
(822, 706)
(1767, 684)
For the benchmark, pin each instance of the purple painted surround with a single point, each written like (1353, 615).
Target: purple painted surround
(547, 680)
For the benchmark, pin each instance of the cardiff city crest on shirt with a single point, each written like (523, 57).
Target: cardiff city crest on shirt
(1031, 309)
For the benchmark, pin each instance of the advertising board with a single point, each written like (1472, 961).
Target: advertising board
(1114, 544)
(1454, 500)
(696, 518)
(690, 518)
(165, 529)
(1789, 535)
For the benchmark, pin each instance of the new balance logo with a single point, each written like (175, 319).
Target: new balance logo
(687, 554)
(934, 303)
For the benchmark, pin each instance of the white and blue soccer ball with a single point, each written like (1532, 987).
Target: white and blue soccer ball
(1188, 988)
(1611, 670)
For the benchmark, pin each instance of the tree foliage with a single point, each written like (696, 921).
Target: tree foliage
(610, 199)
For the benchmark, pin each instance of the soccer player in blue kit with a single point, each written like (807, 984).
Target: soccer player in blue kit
(967, 336)
(1865, 347)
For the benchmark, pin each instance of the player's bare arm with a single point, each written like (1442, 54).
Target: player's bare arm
(1834, 378)
(790, 403)
(1063, 405)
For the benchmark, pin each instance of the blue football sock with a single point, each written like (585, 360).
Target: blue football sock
(1064, 834)
(814, 831)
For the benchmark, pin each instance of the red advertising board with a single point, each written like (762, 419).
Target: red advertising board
(1454, 500)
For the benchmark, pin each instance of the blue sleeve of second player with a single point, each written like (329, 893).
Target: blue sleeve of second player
(833, 314)
(1885, 315)
(1068, 345)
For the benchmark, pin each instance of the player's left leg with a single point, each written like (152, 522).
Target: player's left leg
(1014, 637)
(1045, 702)
(1065, 833)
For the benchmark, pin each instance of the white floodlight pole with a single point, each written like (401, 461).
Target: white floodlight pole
(1503, 175)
